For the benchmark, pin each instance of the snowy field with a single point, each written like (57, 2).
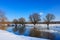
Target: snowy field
(4, 35)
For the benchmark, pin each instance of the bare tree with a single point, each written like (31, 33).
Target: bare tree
(3, 19)
(22, 21)
(22, 28)
(15, 22)
(34, 18)
(48, 18)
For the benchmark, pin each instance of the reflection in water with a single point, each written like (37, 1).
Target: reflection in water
(27, 32)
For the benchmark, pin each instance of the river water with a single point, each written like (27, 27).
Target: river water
(27, 31)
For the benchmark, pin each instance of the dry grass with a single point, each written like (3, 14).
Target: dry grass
(3, 27)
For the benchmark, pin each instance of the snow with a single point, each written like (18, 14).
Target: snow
(51, 31)
(4, 35)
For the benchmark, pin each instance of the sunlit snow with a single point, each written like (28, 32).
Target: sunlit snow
(4, 35)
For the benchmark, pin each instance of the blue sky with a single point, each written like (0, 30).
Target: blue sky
(23, 8)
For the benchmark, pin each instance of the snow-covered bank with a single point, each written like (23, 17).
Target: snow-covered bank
(4, 35)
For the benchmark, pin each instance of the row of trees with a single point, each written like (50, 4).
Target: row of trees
(35, 18)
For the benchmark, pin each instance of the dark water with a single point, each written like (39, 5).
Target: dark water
(27, 31)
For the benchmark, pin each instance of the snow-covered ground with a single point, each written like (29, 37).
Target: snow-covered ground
(4, 35)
